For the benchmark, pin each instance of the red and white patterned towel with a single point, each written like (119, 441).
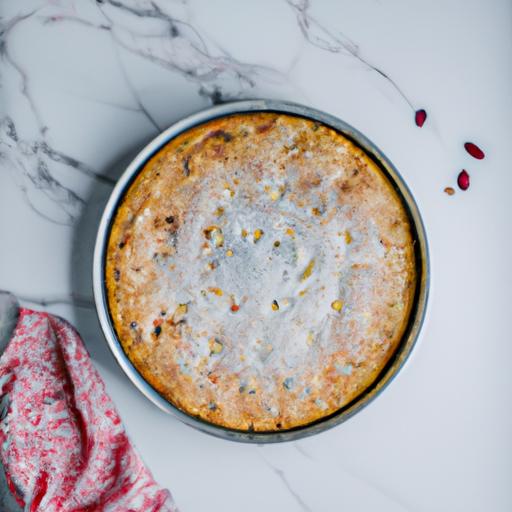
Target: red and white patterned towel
(62, 443)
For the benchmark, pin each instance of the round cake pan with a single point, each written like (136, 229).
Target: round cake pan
(421, 257)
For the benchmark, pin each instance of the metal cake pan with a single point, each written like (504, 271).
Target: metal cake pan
(421, 256)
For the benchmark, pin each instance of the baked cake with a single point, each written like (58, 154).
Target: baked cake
(260, 271)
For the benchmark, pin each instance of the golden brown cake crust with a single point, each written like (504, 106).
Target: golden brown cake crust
(260, 271)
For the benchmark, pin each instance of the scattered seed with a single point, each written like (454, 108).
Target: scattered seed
(290, 232)
(179, 313)
(277, 243)
(275, 305)
(169, 219)
(214, 233)
(463, 180)
(186, 166)
(218, 239)
(258, 233)
(288, 383)
(219, 211)
(420, 116)
(215, 346)
(229, 253)
(216, 291)
(274, 195)
(235, 308)
(450, 191)
(208, 231)
(474, 150)
(309, 270)
(348, 237)
(337, 305)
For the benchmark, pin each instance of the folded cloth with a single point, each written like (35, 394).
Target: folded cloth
(62, 443)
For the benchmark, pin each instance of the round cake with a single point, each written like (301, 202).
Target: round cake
(260, 271)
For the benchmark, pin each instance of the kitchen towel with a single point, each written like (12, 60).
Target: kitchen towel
(62, 444)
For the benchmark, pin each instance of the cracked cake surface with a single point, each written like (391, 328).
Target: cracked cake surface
(260, 271)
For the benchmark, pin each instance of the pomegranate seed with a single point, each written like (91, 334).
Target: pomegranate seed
(463, 180)
(235, 308)
(474, 150)
(420, 117)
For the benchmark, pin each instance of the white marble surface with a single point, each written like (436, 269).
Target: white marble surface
(84, 85)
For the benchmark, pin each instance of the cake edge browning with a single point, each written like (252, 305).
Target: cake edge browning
(121, 220)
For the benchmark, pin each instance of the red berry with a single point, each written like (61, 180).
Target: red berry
(420, 117)
(235, 308)
(474, 150)
(463, 180)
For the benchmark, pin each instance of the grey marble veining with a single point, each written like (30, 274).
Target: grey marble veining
(84, 85)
